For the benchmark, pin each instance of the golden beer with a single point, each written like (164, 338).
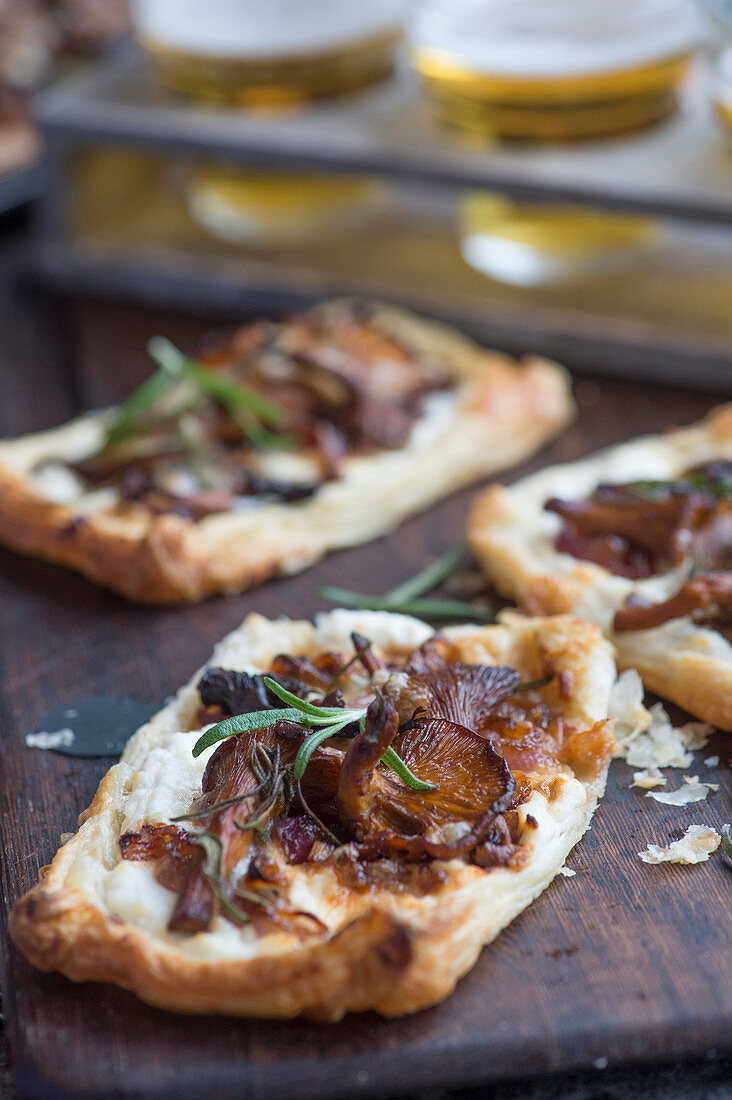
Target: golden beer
(560, 71)
(276, 53)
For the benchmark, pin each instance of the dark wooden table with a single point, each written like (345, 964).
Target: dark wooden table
(622, 964)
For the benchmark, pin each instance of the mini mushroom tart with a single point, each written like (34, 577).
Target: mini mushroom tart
(332, 817)
(637, 539)
(278, 445)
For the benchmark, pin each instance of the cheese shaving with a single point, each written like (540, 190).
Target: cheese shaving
(646, 739)
(695, 734)
(711, 761)
(693, 780)
(567, 872)
(694, 791)
(626, 707)
(695, 846)
(649, 777)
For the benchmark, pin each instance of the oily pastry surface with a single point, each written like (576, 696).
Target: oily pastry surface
(498, 413)
(513, 537)
(94, 916)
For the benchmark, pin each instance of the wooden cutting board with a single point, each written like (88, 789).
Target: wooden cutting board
(621, 963)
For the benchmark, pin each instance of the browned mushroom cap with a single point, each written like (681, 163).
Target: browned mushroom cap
(474, 785)
(461, 693)
(434, 654)
(467, 694)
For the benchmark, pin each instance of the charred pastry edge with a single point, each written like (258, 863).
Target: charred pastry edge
(513, 538)
(503, 413)
(389, 956)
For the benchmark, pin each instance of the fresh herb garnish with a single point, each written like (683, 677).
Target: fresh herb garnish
(727, 845)
(404, 599)
(152, 390)
(390, 758)
(195, 384)
(243, 723)
(430, 577)
(250, 410)
(212, 871)
(325, 722)
(408, 778)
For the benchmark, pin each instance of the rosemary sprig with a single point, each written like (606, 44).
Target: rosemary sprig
(253, 413)
(390, 758)
(243, 723)
(430, 577)
(212, 870)
(309, 745)
(312, 713)
(405, 598)
(148, 394)
(408, 778)
(250, 410)
(425, 609)
(325, 721)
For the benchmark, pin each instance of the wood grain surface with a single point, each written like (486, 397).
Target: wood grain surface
(622, 963)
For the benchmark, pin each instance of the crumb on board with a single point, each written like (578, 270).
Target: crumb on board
(46, 739)
(647, 778)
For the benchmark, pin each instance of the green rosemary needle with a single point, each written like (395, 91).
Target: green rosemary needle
(424, 609)
(726, 831)
(250, 410)
(212, 870)
(406, 598)
(392, 760)
(428, 578)
(532, 685)
(243, 723)
(148, 394)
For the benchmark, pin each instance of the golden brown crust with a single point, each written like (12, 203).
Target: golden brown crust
(388, 951)
(513, 537)
(349, 972)
(503, 413)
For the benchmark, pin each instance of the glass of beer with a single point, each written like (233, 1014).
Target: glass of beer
(564, 70)
(269, 53)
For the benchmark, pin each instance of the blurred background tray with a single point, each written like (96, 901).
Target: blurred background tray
(681, 168)
(115, 220)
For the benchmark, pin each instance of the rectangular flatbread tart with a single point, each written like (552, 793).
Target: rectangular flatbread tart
(288, 441)
(637, 539)
(332, 817)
